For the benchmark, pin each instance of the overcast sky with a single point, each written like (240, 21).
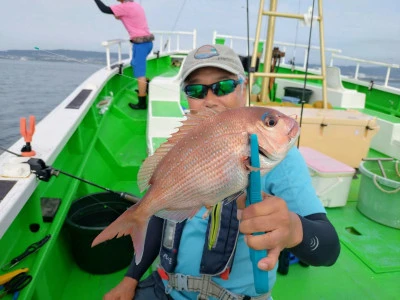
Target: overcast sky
(365, 29)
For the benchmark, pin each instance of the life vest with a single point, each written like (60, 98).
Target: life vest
(215, 261)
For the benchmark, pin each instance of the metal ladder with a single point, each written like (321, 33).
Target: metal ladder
(272, 14)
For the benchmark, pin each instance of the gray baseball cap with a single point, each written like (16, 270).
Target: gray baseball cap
(218, 56)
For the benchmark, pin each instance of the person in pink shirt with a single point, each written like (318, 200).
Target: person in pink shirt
(133, 18)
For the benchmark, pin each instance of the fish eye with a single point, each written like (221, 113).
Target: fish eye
(271, 121)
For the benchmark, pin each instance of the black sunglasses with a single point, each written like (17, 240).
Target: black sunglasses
(220, 88)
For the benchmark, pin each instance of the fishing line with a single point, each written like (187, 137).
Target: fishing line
(306, 70)
(131, 78)
(176, 21)
(84, 62)
(70, 58)
(248, 51)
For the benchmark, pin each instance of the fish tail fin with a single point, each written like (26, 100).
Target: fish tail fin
(129, 223)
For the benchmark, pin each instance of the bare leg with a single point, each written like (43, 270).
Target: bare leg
(142, 86)
(142, 94)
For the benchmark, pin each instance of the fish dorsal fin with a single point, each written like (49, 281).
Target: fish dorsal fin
(150, 164)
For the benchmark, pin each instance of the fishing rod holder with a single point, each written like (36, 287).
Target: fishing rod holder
(27, 134)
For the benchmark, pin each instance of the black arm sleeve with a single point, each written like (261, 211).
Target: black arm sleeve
(320, 245)
(104, 8)
(151, 249)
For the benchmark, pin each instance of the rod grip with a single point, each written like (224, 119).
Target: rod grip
(261, 280)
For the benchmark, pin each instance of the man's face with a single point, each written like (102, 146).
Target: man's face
(210, 75)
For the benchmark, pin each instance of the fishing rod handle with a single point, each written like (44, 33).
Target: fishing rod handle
(130, 198)
(261, 280)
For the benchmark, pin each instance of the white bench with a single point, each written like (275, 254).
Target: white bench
(338, 96)
(387, 140)
(165, 113)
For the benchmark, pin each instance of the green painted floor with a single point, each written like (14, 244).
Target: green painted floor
(368, 266)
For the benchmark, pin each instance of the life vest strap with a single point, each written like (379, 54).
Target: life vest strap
(203, 285)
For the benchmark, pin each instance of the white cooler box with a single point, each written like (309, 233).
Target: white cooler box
(330, 177)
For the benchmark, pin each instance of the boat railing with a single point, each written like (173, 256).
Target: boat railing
(369, 62)
(112, 43)
(168, 42)
(230, 40)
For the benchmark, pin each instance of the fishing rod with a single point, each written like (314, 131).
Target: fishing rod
(306, 71)
(6, 150)
(44, 173)
(248, 51)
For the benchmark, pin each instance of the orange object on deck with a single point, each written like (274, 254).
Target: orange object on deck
(27, 134)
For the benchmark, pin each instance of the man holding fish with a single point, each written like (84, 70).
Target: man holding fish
(194, 211)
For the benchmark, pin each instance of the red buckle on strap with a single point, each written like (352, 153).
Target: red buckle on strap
(225, 275)
(162, 273)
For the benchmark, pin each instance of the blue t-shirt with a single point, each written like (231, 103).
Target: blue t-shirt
(289, 180)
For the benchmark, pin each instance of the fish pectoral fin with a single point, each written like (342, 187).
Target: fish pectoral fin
(177, 215)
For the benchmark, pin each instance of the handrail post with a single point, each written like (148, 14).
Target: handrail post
(194, 38)
(305, 58)
(387, 77)
(283, 58)
(357, 69)
(119, 53)
(108, 58)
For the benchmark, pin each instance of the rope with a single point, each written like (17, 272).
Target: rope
(382, 189)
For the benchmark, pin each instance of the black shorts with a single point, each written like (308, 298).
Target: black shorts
(151, 288)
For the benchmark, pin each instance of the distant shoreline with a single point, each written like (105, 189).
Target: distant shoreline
(59, 56)
(367, 73)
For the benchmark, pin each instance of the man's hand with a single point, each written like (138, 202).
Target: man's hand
(282, 228)
(125, 290)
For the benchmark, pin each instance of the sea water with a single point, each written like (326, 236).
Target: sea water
(34, 88)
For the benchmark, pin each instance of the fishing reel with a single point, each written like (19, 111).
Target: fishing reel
(277, 54)
(39, 168)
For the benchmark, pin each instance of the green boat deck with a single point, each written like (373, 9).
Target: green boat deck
(368, 266)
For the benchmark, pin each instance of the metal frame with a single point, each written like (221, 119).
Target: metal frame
(272, 14)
